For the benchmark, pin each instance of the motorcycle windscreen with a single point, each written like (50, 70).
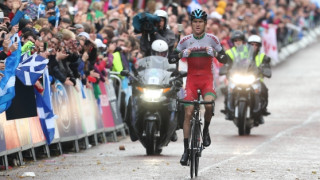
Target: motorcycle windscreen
(155, 62)
(155, 77)
(155, 70)
(244, 60)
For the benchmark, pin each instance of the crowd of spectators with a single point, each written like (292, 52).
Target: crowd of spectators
(82, 38)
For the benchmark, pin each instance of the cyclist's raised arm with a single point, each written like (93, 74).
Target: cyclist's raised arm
(220, 53)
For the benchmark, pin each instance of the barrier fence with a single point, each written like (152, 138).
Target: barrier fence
(79, 117)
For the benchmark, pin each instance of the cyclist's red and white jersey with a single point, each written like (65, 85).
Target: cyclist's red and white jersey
(199, 62)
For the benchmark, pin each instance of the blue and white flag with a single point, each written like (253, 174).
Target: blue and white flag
(7, 90)
(31, 68)
(45, 108)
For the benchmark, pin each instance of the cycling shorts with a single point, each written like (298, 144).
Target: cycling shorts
(202, 82)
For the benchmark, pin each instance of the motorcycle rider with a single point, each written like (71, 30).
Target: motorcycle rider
(263, 63)
(163, 32)
(160, 48)
(238, 39)
(199, 48)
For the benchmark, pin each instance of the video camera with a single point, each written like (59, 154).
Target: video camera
(145, 23)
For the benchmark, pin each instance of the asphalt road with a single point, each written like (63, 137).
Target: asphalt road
(287, 146)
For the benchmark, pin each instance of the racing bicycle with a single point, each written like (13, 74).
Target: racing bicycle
(195, 140)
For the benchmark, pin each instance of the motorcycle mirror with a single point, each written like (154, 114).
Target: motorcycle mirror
(124, 73)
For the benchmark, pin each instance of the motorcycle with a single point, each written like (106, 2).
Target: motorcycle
(152, 109)
(244, 85)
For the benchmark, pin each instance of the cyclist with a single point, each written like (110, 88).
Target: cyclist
(199, 48)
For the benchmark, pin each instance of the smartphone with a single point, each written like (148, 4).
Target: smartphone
(24, 1)
(45, 46)
(15, 39)
(3, 35)
(180, 27)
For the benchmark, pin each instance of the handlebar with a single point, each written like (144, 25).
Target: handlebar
(196, 102)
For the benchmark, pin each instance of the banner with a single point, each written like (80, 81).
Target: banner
(90, 115)
(11, 135)
(23, 129)
(62, 108)
(269, 42)
(107, 115)
(2, 138)
(74, 106)
(113, 103)
(36, 130)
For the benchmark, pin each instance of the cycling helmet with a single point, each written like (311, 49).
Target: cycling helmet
(237, 35)
(162, 14)
(255, 38)
(198, 14)
(159, 48)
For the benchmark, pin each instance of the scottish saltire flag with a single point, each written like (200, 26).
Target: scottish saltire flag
(7, 91)
(31, 68)
(45, 110)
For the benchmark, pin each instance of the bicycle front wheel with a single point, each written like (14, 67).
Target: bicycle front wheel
(197, 129)
(192, 150)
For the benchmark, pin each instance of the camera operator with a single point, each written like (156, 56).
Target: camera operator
(163, 32)
(145, 23)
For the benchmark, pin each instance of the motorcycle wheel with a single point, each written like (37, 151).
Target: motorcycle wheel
(151, 141)
(242, 118)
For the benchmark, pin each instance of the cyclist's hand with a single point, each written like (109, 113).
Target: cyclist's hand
(186, 53)
(210, 51)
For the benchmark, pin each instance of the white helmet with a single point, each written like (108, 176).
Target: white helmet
(159, 48)
(254, 38)
(162, 13)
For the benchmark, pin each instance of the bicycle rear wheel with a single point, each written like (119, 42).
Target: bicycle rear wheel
(192, 151)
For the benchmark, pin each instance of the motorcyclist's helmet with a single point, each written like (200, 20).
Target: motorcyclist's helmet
(198, 14)
(237, 35)
(161, 13)
(255, 39)
(159, 48)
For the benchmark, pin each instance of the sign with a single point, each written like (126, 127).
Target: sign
(269, 42)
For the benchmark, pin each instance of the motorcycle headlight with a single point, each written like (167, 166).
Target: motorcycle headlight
(152, 95)
(243, 79)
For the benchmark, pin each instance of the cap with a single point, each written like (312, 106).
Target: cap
(99, 43)
(215, 15)
(78, 26)
(84, 34)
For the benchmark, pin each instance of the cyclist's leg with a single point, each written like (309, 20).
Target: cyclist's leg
(187, 118)
(190, 95)
(208, 94)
